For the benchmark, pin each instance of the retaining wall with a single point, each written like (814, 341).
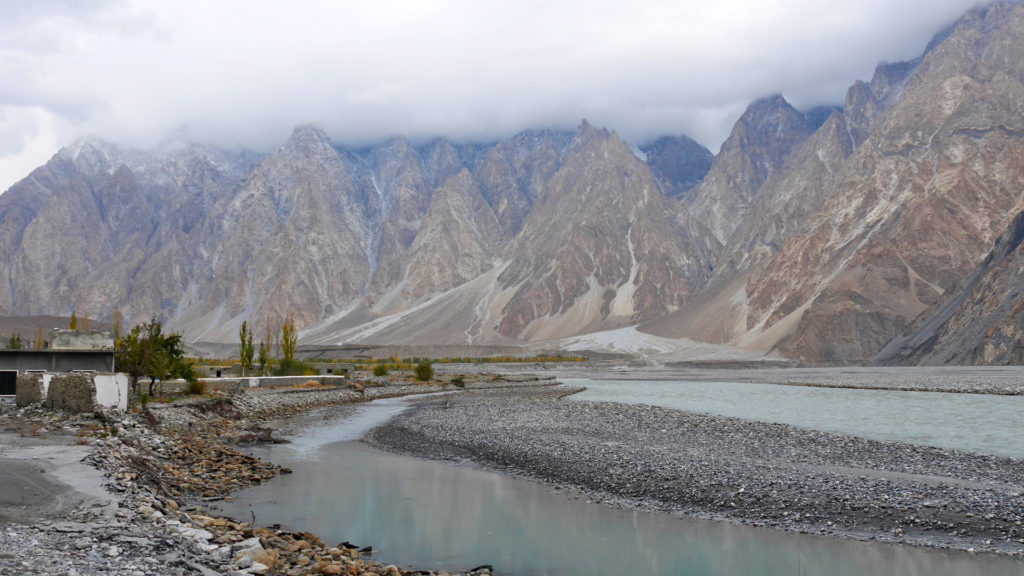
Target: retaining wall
(270, 381)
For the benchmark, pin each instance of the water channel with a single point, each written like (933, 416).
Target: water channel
(983, 423)
(431, 515)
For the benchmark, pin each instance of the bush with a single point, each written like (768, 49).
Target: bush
(459, 382)
(380, 370)
(424, 371)
(196, 387)
(294, 368)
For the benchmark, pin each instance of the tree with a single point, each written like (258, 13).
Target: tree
(148, 352)
(117, 319)
(247, 350)
(288, 340)
(39, 338)
(264, 357)
(424, 371)
(74, 321)
(14, 342)
(381, 369)
(86, 322)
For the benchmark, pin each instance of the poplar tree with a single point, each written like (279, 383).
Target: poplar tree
(247, 350)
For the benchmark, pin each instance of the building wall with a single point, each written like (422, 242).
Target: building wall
(77, 392)
(112, 390)
(81, 340)
(57, 360)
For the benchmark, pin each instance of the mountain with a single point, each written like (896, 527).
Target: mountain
(678, 164)
(917, 205)
(885, 230)
(600, 248)
(563, 232)
(861, 227)
(758, 146)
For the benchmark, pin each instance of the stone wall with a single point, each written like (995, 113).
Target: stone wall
(74, 393)
(29, 390)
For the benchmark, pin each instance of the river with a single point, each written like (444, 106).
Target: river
(432, 515)
(982, 423)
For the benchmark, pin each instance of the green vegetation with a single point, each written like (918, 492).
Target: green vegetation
(246, 351)
(294, 368)
(395, 363)
(74, 321)
(424, 371)
(380, 369)
(14, 342)
(264, 357)
(289, 338)
(147, 351)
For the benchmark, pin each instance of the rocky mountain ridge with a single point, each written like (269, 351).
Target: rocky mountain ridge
(828, 236)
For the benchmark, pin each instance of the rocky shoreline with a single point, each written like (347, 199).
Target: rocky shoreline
(728, 469)
(160, 465)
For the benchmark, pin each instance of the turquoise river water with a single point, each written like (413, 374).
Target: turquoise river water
(984, 423)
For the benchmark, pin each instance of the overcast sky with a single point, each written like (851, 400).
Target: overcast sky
(244, 73)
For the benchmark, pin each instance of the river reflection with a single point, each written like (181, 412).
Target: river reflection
(432, 515)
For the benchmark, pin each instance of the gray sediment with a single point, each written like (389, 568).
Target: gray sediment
(742, 471)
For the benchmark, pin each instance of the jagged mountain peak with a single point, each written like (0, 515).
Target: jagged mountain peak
(678, 163)
(94, 155)
(308, 138)
(587, 132)
(773, 118)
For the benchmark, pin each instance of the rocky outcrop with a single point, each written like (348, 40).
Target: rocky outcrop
(980, 322)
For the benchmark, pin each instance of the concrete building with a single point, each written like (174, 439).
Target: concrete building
(70, 350)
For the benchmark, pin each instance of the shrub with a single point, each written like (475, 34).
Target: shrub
(144, 399)
(424, 371)
(459, 382)
(196, 387)
(380, 370)
(294, 368)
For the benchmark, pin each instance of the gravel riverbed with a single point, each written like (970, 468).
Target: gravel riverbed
(723, 468)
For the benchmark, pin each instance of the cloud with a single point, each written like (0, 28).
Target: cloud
(242, 74)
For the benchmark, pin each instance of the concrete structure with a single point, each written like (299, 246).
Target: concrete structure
(272, 381)
(74, 392)
(69, 350)
(234, 370)
(81, 340)
(333, 368)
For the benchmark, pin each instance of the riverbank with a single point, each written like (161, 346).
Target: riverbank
(996, 380)
(728, 469)
(123, 494)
